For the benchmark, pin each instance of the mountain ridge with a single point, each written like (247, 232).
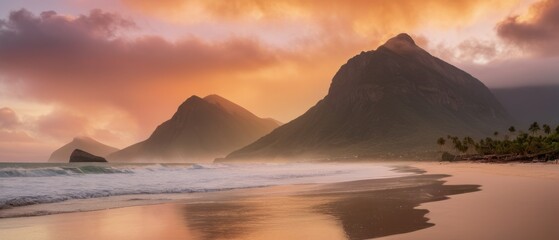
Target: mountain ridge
(85, 143)
(386, 102)
(200, 130)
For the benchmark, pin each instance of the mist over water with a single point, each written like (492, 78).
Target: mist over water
(26, 184)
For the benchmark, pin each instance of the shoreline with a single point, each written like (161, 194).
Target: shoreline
(126, 200)
(134, 200)
(356, 210)
(517, 201)
(440, 201)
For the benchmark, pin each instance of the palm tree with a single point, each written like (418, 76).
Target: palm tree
(512, 129)
(534, 128)
(546, 129)
(469, 141)
(463, 148)
(458, 145)
(544, 147)
(441, 142)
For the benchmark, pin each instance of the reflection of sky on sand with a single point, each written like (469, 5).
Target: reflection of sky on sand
(145, 222)
(289, 217)
(353, 210)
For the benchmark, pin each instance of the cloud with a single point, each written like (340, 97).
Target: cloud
(85, 63)
(473, 51)
(111, 80)
(7, 136)
(372, 22)
(61, 125)
(517, 72)
(21, 149)
(536, 31)
(34, 137)
(8, 118)
(15, 143)
(383, 13)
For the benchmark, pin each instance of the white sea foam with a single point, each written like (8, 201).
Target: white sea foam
(30, 184)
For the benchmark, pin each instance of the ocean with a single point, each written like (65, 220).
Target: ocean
(23, 184)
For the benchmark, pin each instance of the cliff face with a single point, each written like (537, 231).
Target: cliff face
(394, 100)
(201, 130)
(85, 143)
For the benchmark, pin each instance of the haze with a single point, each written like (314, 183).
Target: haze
(114, 70)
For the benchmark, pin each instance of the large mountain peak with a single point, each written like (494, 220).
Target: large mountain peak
(402, 38)
(403, 44)
(229, 106)
(191, 102)
(215, 98)
(396, 99)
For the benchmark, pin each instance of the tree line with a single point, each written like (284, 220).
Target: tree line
(539, 143)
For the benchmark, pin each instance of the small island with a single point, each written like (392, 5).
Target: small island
(79, 155)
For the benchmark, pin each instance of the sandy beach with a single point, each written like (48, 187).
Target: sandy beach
(447, 201)
(517, 201)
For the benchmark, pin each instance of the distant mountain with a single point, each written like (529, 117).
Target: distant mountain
(200, 130)
(275, 121)
(85, 143)
(531, 103)
(395, 100)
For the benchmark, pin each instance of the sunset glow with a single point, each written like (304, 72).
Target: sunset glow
(115, 70)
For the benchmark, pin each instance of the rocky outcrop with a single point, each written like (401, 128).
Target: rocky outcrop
(83, 156)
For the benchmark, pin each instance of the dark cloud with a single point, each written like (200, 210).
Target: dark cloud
(516, 72)
(538, 31)
(87, 62)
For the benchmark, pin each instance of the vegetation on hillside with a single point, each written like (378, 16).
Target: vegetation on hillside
(540, 143)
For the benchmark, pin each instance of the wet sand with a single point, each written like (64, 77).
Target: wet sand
(350, 210)
(516, 201)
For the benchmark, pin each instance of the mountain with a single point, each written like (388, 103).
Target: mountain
(531, 103)
(201, 130)
(397, 99)
(85, 143)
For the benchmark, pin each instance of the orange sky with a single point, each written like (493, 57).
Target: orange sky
(114, 70)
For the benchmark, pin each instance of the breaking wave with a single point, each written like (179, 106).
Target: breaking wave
(28, 184)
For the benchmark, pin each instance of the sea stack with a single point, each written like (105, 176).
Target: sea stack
(83, 156)
(390, 102)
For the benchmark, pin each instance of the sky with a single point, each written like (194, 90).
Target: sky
(115, 69)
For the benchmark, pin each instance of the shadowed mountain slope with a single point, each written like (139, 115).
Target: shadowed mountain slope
(200, 130)
(397, 99)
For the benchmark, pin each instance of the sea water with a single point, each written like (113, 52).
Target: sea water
(26, 184)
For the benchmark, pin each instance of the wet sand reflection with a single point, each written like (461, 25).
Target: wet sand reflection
(354, 210)
(350, 210)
